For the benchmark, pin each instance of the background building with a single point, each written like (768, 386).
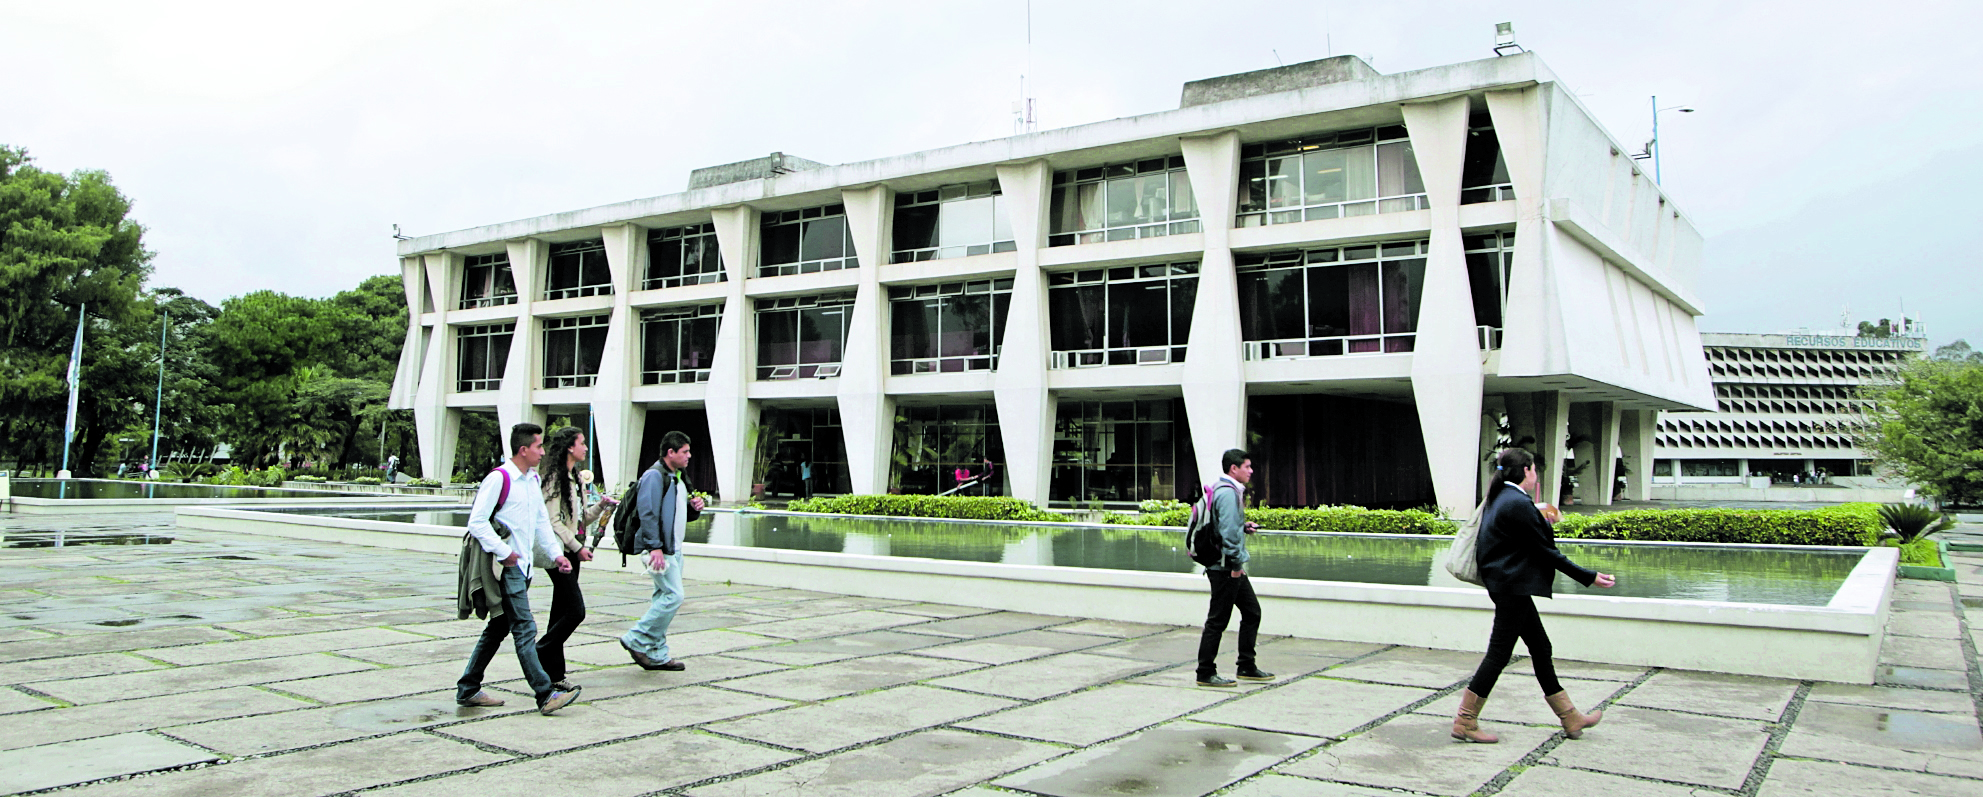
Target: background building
(1788, 410)
(1354, 275)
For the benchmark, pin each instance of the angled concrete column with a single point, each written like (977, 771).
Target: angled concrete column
(867, 416)
(528, 259)
(1595, 487)
(615, 418)
(1214, 382)
(434, 423)
(1019, 388)
(406, 378)
(1635, 444)
(1552, 425)
(727, 397)
(1446, 356)
(1533, 341)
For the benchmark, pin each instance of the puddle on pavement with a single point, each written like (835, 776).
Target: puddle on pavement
(62, 539)
(1972, 603)
(393, 715)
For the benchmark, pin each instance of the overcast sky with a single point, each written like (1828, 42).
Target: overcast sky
(1834, 160)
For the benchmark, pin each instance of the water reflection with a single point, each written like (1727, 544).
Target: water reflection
(90, 489)
(62, 538)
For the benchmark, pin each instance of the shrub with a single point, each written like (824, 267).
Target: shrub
(1921, 552)
(957, 507)
(309, 479)
(1914, 521)
(1350, 519)
(423, 483)
(368, 480)
(269, 477)
(1845, 524)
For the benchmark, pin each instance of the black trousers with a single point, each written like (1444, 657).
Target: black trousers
(1515, 617)
(1228, 593)
(567, 611)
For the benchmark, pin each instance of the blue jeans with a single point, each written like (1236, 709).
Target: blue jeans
(515, 622)
(650, 634)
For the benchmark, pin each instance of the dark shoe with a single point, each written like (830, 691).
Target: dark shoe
(479, 699)
(645, 661)
(1254, 674)
(1213, 680)
(562, 685)
(556, 701)
(672, 665)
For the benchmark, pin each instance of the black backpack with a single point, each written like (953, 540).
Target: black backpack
(1201, 540)
(626, 521)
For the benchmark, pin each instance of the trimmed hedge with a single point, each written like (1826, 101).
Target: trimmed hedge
(955, 507)
(1329, 518)
(424, 483)
(368, 480)
(1845, 524)
(309, 479)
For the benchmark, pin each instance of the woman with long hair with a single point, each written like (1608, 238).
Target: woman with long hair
(1518, 563)
(565, 501)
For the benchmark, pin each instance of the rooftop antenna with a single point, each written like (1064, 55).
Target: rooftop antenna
(398, 237)
(1023, 118)
(1277, 57)
(1504, 39)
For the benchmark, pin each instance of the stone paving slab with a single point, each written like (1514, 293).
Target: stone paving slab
(12, 702)
(831, 625)
(68, 763)
(100, 719)
(1009, 648)
(850, 676)
(628, 680)
(831, 725)
(927, 763)
(1921, 678)
(623, 769)
(824, 606)
(1942, 744)
(1272, 785)
(289, 730)
(1171, 760)
(1098, 714)
(267, 647)
(1433, 669)
(939, 610)
(1939, 654)
(1110, 628)
(1038, 678)
(83, 666)
(1933, 624)
(108, 643)
(1316, 706)
(125, 686)
(1790, 778)
(1419, 753)
(1523, 705)
(1561, 782)
(1889, 697)
(1584, 670)
(377, 683)
(325, 770)
(1667, 745)
(835, 648)
(616, 718)
(979, 625)
(1171, 647)
(1739, 696)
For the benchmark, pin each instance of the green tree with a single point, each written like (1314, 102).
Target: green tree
(1959, 352)
(66, 242)
(1928, 427)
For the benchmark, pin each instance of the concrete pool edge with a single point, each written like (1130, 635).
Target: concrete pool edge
(1836, 642)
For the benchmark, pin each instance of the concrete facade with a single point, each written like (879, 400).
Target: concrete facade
(1600, 293)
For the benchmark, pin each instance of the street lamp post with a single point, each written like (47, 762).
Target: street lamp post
(1655, 137)
(158, 407)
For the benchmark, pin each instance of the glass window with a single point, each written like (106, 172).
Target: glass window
(798, 436)
(1121, 451)
(954, 449)
(1123, 201)
(1330, 301)
(683, 256)
(573, 348)
(802, 337)
(1327, 176)
(484, 356)
(1132, 315)
(1484, 174)
(486, 281)
(578, 269)
(952, 221)
(806, 241)
(1490, 263)
(954, 326)
(678, 344)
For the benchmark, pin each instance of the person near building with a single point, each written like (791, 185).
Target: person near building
(509, 523)
(1230, 587)
(1518, 563)
(564, 502)
(664, 508)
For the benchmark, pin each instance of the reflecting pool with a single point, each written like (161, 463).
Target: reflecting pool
(1762, 574)
(89, 489)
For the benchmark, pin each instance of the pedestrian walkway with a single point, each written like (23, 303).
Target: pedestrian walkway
(222, 664)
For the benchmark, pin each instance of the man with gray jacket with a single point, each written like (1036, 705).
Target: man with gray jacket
(1230, 587)
(663, 509)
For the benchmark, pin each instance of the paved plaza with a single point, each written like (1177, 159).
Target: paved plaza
(223, 664)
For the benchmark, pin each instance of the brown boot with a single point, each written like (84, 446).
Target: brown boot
(1574, 722)
(1466, 724)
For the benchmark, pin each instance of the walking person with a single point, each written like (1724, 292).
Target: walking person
(1230, 586)
(1518, 563)
(564, 502)
(663, 510)
(507, 520)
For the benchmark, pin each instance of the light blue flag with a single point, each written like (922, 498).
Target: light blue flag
(75, 387)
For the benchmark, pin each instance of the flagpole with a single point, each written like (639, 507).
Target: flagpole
(75, 383)
(158, 408)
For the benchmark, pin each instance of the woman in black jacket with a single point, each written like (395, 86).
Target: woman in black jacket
(1519, 561)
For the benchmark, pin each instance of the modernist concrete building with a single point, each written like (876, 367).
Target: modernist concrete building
(1788, 408)
(1354, 275)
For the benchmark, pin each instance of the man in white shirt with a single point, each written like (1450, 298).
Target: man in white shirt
(527, 528)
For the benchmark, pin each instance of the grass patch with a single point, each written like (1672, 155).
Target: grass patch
(1921, 552)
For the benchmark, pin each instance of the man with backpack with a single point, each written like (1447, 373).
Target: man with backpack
(1225, 568)
(508, 521)
(663, 509)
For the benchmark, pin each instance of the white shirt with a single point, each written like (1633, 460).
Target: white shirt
(529, 523)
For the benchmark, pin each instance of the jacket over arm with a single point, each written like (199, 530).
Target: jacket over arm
(1230, 519)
